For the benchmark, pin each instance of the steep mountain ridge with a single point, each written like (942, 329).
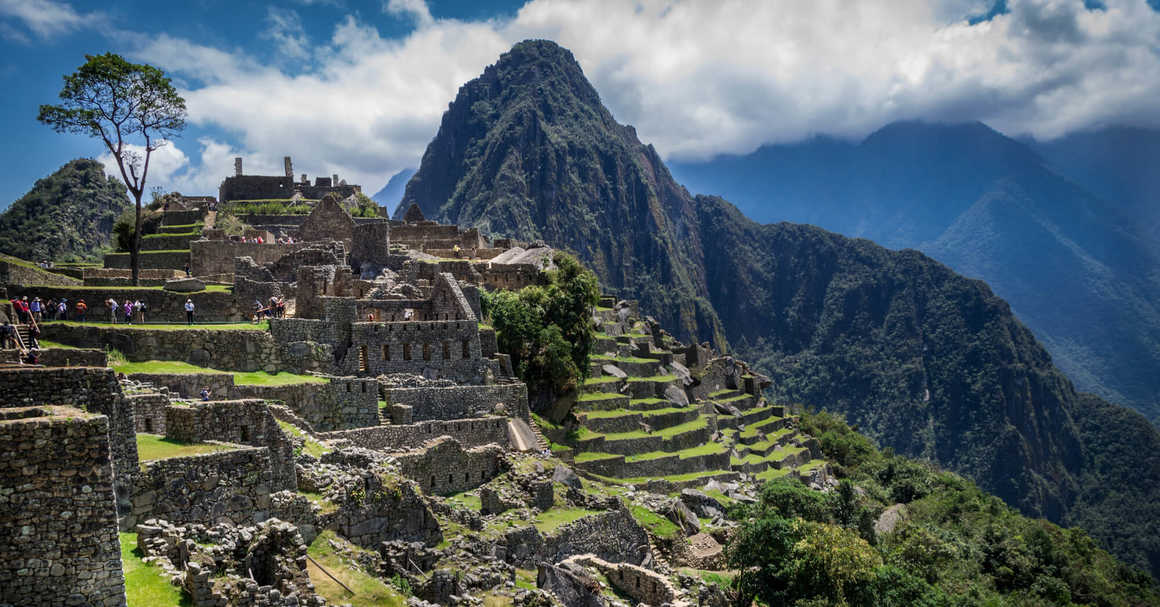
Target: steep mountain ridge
(924, 360)
(941, 188)
(67, 215)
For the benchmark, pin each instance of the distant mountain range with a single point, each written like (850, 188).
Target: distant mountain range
(924, 360)
(392, 193)
(1066, 231)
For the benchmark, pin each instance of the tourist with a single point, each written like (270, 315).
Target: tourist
(23, 310)
(189, 311)
(34, 335)
(127, 310)
(62, 309)
(140, 306)
(37, 313)
(7, 335)
(112, 305)
(205, 393)
(82, 309)
(281, 308)
(32, 357)
(50, 308)
(187, 274)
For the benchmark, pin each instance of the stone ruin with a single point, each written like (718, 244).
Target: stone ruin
(411, 408)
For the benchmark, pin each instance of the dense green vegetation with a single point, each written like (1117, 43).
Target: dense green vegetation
(66, 216)
(921, 359)
(955, 545)
(547, 329)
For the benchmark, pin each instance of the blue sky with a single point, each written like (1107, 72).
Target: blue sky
(358, 88)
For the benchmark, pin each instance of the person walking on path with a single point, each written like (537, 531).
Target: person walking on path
(113, 309)
(62, 309)
(34, 335)
(139, 308)
(82, 309)
(7, 335)
(36, 309)
(127, 310)
(189, 311)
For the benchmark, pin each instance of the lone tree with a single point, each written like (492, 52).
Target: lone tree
(123, 104)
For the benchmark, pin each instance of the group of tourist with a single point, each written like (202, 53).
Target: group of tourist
(276, 308)
(37, 310)
(30, 313)
(128, 311)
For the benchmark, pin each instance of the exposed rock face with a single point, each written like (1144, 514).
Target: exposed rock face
(956, 377)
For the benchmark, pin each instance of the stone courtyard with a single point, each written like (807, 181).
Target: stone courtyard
(368, 428)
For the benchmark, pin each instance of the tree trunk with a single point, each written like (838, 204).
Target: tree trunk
(135, 244)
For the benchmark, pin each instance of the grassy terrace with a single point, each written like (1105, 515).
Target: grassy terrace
(675, 478)
(696, 424)
(253, 378)
(368, 590)
(659, 525)
(622, 359)
(592, 456)
(706, 449)
(310, 446)
(624, 412)
(145, 584)
(153, 447)
(159, 235)
(595, 396)
(654, 378)
(208, 289)
(605, 379)
(553, 519)
(771, 473)
(221, 326)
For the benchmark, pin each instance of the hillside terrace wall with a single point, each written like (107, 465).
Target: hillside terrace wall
(73, 357)
(234, 349)
(443, 466)
(95, 390)
(160, 305)
(112, 277)
(217, 256)
(189, 385)
(13, 274)
(341, 404)
(458, 402)
(242, 422)
(469, 432)
(58, 523)
(613, 536)
(176, 260)
(223, 487)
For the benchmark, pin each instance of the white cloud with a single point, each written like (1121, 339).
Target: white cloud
(285, 29)
(46, 18)
(695, 78)
(415, 9)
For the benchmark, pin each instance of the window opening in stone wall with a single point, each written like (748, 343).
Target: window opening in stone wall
(406, 351)
(426, 351)
(245, 431)
(386, 352)
(364, 387)
(449, 481)
(446, 350)
(432, 481)
(466, 349)
(348, 387)
(466, 477)
(149, 425)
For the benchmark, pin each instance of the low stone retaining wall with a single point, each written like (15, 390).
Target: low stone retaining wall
(613, 536)
(73, 357)
(189, 385)
(167, 242)
(457, 402)
(13, 274)
(240, 350)
(243, 422)
(668, 465)
(611, 425)
(225, 487)
(150, 259)
(469, 432)
(340, 404)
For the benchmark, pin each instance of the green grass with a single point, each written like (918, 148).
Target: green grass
(183, 225)
(605, 379)
(146, 585)
(706, 449)
(369, 591)
(262, 326)
(647, 401)
(44, 343)
(465, 501)
(95, 311)
(609, 413)
(251, 378)
(154, 446)
(676, 478)
(657, 524)
(591, 456)
(625, 359)
(594, 396)
(160, 234)
(553, 519)
(126, 253)
(771, 473)
(671, 431)
(310, 446)
(326, 506)
(654, 378)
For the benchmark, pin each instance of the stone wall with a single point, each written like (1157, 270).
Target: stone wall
(237, 350)
(149, 411)
(469, 432)
(111, 277)
(58, 523)
(613, 536)
(176, 260)
(11, 274)
(224, 487)
(435, 349)
(341, 404)
(217, 256)
(457, 402)
(161, 306)
(73, 357)
(242, 422)
(189, 385)
(443, 466)
(93, 389)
